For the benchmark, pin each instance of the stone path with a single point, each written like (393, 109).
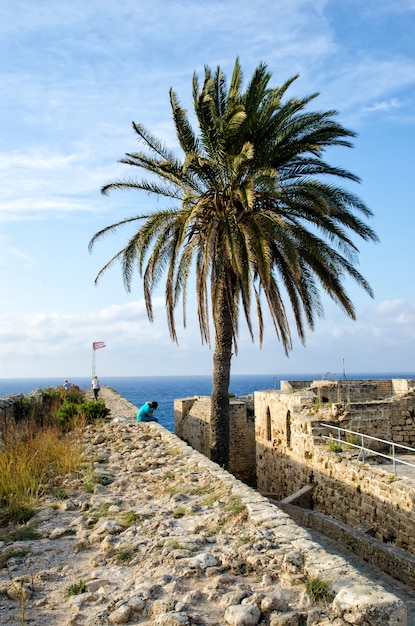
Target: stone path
(153, 533)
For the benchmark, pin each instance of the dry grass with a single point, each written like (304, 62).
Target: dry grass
(30, 458)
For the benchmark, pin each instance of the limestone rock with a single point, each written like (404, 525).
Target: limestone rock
(172, 619)
(242, 615)
(357, 604)
(120, 615)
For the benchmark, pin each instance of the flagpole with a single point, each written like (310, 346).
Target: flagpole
(93, 360)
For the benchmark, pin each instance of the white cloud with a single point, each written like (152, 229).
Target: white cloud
(384, 105)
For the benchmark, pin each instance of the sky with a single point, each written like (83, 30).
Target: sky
(76, 74)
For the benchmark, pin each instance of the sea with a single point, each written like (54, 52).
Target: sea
(165, 389)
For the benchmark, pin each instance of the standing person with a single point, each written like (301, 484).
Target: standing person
(145, 414)
(95, 387)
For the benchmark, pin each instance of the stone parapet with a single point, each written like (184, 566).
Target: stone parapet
(192, 424)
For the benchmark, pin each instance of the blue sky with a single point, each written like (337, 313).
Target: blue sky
(75, 74)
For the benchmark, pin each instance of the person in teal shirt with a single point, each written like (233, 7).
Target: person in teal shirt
(145, 413)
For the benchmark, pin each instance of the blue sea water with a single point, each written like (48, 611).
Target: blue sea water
(165, 389)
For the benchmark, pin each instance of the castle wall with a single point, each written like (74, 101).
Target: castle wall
(288, 457)
(192, 424)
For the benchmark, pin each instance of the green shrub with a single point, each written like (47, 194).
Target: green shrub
(67, 414)
(353, 440)
(70, 413)
(93, 410)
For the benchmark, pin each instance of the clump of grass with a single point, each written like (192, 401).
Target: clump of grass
(317, 589)
(214, 497)
(200, 490)
(77, 588)
(244, 539)
(168, 476)
(179, 512)
(124, 555)
(88, 486)
(174, 489)
(129, 518)
(334, 446)
(235, 506)
(352, 440)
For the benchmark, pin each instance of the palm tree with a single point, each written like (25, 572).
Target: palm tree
(257, 217)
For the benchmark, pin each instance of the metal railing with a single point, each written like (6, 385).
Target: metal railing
(393, 447)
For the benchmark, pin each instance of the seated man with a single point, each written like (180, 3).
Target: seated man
(145, 414)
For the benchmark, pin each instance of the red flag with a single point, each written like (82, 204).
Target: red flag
(97, 345)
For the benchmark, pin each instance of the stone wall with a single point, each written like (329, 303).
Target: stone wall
(9, 407)
(192, 424)
(290, 456)
(366, 390)
(393, 561)
(7, 404)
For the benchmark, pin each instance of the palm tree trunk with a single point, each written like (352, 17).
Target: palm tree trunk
(219, 417)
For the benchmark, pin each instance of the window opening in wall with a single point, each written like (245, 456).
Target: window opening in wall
(288, 429)
(269, 430)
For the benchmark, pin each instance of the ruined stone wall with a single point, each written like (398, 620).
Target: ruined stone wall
(380, 408)
(392, 419)
(192, 424)
(288, 457)
(346, 391)
(9, 407)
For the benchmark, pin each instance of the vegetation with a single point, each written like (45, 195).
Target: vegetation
(334, 446)
(77, 588)
(26, 466)
(72, 413)
(317, 589)
(123, 556)
(21, 533)
(253, 208)
(129, 518)
(35, 452)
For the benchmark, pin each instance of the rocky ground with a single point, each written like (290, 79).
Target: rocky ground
(153, 533)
